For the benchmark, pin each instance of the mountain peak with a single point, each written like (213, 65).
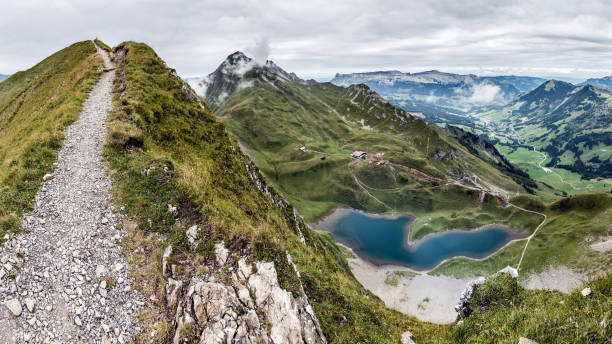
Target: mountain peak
(238, 57)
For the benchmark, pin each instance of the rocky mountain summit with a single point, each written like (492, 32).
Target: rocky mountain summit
(229, 77)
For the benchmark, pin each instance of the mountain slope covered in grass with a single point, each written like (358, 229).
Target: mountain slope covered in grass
(605, 82)
(36, 106)
(571, 124)
(174, 166)
(274, 116)
(166, 147)
(3, 77)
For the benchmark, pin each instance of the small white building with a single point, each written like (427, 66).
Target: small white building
(359, 155)
(547, 170)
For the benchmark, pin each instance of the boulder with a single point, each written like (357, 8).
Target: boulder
(524, 340)
(509, 270)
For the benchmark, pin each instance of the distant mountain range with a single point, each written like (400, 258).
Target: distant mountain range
(605, 82)
(3, 76)
(522, 83)
(414, 91)
(442, 97)
(572, 124)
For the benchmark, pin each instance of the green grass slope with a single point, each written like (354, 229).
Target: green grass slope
(35, 107)
(571, 224)
(504, 312)
(571, 124)
(165, 148)
(273, 116)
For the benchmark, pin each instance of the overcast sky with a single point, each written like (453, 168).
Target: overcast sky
(317, 38)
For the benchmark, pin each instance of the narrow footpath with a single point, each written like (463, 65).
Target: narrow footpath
(64, 280)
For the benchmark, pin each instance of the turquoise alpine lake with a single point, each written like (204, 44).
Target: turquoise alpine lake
(384, 239)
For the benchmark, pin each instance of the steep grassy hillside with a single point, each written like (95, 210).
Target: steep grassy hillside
(273, 116)
(35, 107)
(503, 312)
(570, 124)
(165, 147)
(571, 225)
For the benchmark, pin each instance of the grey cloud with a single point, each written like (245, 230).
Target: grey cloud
(317, 38)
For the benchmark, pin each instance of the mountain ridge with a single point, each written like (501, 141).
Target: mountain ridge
(605, 82)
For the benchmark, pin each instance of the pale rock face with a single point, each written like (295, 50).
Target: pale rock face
(407, 338)
(192, 236)
(524, 340)
(167, 254)
(253, 309)
(221, 253)
(29, 304)
(172, 292)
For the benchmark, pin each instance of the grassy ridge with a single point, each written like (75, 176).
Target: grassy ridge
(35, 107)
(164, 148)
(563, 240)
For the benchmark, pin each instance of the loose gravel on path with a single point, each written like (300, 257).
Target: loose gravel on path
(64, 280)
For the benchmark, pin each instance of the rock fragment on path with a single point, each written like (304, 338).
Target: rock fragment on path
(14, 306)
(29, 304)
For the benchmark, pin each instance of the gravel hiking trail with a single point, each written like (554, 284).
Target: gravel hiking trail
(64, 279)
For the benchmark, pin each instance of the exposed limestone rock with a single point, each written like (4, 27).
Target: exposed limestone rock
(167, 254)
(172, 292)
(192, 236)
(524, 340)
(407, 338)
(29, 304)
(221, 252)
(253, 309)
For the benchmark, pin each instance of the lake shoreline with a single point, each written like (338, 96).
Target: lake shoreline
(514, 235)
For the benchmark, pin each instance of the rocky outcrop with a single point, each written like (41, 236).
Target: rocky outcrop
(236, 301)
(445, 156)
